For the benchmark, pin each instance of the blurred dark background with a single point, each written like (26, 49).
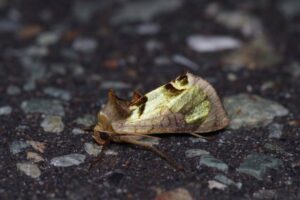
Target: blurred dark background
(59, 59)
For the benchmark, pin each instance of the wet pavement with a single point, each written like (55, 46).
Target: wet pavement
(60, 58)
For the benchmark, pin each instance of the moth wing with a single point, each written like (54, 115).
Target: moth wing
(170, 122)
(217, 118)
(166, 123)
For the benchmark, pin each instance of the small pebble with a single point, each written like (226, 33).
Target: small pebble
(150, 140)
(244, 22)
(294, 69)
(227, 181)
(190, 153)
(210, 161)
(18, 146)
(83, 11)
(86, 45)
(58, 93)
(255, 54)
(267, 85)
(34, 157)
(7, 25)
(202, 44)
(277, 148)
(13, 90)
(148, 29)
(92, 149)
(48, 38)
(58, 68)
(36, 51)
(197, 139)
(182, 60)
(143, 10)
(249, 88)
(232, 77)
(289, 8)
(87, 120)
(275, 130)
(162, 61)
(77, 69)
(152, 45)
(5, 110)
(257, 164)
(29, 169)
(77, 131)
(53, 124)
(111, 153)
(44, 106)
(22, 128)
(252, 111)
(212, 184)
(38, 146)
(68, 160)
(35, 69)
(265, 194)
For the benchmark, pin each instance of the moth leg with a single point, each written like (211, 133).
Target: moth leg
(202, 136)
(101, 155)
(196, 135)
(163, 156)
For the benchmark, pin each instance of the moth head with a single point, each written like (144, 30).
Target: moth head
(102, 137)
(103, 130)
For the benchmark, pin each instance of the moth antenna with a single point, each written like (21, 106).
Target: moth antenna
(196, 135)
(163, 156)
(101, 155)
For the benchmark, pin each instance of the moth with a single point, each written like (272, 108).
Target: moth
(187, 104)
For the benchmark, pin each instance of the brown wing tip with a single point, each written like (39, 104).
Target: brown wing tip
(225, 121)
(217, 118)
(136, 95)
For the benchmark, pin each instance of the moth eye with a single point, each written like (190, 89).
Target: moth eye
(172, 90)
(182, 79)
(104, 136)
